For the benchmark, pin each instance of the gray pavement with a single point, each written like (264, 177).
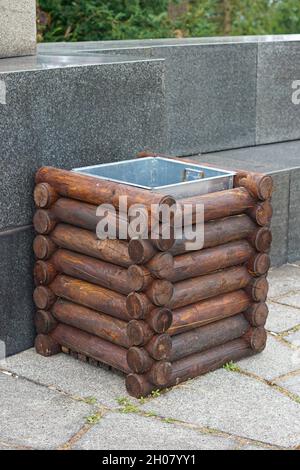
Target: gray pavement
(61, 403)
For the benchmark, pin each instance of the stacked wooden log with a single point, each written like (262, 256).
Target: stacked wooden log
(147, 307)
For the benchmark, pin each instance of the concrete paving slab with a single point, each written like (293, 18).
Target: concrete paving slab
(283, 280)
(291, 383)
(34, 416)
(281, 317)
(294, 338)
(292, 300)
(277, 359)
(68, 374)
(117, 431)
(236, 404)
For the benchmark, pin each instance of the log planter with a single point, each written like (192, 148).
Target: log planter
(149, 307)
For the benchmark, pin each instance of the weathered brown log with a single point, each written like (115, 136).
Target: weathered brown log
(217, 205)
(209, 336)
(208, 311)
(261, 213)
(87, 243)
(138, 305)
(99, 324)
(159, 319)
(160, 292)
(258, 289)
(139, 278)
(203, 287)
(191, 366)
(44, 322)
(44, 221)
(159, 347)
(90, 295)
(157, 372)
(139, 332)
(221, 231)
(206, 361)
(85, 268)
(43, 297)
(46, 345)
(43, 247)
(44, 195)
(92, 346)
(97, 191)
(161, 265)
(259, 185)
(197, 263)
(259, 264)
(257, 314)
(44, 272)
(79, 214)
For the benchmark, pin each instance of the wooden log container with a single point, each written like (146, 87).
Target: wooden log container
(150, 308)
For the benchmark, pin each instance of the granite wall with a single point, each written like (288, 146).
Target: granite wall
(17, 27)
(65, 117)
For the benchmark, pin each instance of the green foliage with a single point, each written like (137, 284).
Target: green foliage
(94, 20)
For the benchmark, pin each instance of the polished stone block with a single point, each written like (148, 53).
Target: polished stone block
(73, 116)
(17, 27)
(210, 88)
(278, 118)
(16, 287)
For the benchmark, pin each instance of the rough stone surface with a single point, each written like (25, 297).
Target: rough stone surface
(17, 28)
(282, 317)
(68, 374)
(34, 416)
(291, 383)
(277, 359)
(294, 217)
(16, 287)
(278, 118)
(134, 432)
(236, 404)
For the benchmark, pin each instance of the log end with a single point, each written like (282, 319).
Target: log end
(138, 305)
(44, 195)
(161, 373)
(46, 346)
(44, 273)
(161, 292)
(259, 264)
(263, 239)
(160, 319)
(138, 360)
(140, 251)
(43, 247)
(257, 339)
(44, 322)
(138, 332)
(258, 289)
(139, 278)
(257, 314)
(137, 386)
(160, 347)
(42, 222)
(43, 298)
(265, 187)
